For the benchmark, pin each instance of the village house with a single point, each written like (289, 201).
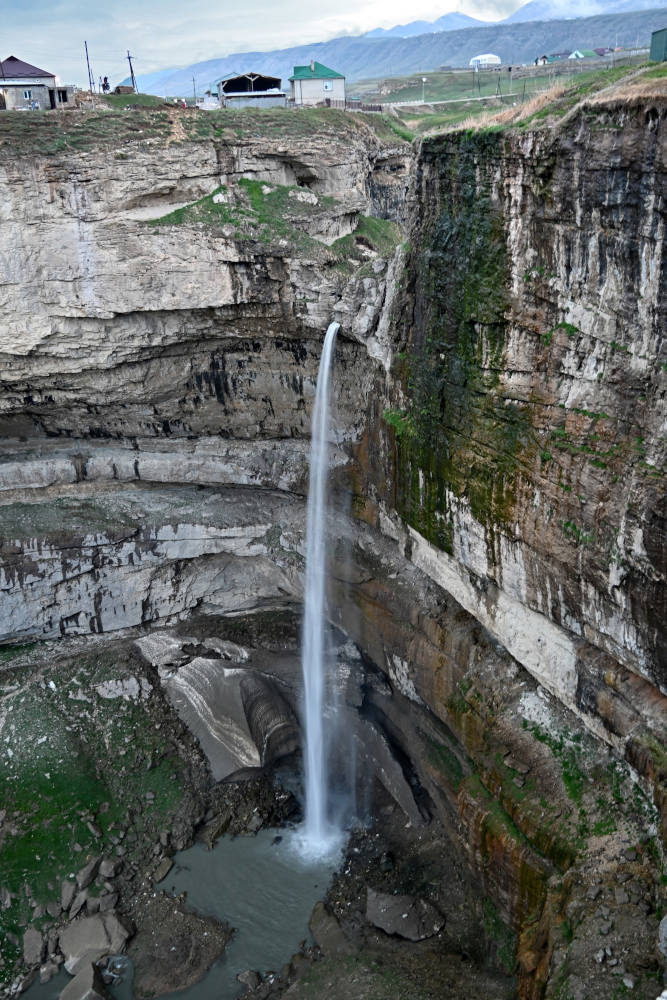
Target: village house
(316, 84)
(250, 90)
(26, 87)
(486, 61)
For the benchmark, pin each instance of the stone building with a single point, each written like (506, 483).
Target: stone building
(26, 87)
(316, 84)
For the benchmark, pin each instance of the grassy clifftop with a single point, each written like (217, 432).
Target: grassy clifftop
(105, 128)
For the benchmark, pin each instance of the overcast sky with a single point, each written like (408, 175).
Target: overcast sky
(164, 33)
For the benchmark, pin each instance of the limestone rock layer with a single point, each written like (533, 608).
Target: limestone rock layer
(498, 543)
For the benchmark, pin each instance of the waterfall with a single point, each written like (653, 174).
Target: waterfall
(319, 832)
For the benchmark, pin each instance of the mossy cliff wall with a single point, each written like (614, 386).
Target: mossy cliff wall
(515, 455)
(522, 440)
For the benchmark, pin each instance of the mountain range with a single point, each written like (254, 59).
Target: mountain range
(535, 10)
(515, 40)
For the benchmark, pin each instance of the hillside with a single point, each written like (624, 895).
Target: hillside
(363, 58)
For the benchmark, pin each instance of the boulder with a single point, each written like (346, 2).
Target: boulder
(87, 873)
(33, 946)
(109, 867)
(108, 902)
(67, 892)
(90, 938)
(250, 978)
(407, 916)
(79, 902)
(86, 985)
(118, 933)
(327, 932)
(163, 869)
(662, 937)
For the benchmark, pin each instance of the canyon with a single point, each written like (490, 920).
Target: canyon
(497, 534)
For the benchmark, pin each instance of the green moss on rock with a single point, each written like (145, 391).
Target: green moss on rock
(468, 435)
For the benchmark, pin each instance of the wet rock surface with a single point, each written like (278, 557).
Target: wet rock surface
(406, 916)
(172, 947)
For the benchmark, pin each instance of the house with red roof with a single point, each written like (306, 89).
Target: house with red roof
(24, 87)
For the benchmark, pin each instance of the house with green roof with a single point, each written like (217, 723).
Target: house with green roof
(315, 84)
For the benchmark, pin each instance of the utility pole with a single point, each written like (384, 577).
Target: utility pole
(91, 78)
(133, 77)
(194, 90)
(423, 88)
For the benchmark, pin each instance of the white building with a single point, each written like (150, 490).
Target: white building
(316, 84)
(25, 87)
(485, 61)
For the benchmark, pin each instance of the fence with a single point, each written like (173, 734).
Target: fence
(352, 105)
(511, 86)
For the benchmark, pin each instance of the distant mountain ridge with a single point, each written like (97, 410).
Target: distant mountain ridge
(535, 10)
(369, 58)
(448, 22)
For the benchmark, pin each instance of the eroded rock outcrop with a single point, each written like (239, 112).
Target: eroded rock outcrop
(499, 476)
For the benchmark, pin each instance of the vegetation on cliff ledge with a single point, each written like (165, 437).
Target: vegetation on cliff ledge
(290, 217)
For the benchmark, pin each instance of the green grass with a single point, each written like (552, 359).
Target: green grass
(267, 214)
(447, 85)
(398, 127)
(586, 84)
(110, 128)
(9, 653)
(655, 73)
(446, 761)
(51, 133)
(56, 776)
(379, 235)
(400, 421)
(503, 937)
(120, 101)
(569, 753)
(603, 827)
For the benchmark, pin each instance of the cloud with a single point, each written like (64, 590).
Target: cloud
(165, 33)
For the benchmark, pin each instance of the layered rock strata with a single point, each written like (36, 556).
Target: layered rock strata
(500, 390)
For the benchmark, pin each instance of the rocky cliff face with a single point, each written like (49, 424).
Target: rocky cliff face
(499, 476)
(145, 342)
(527, 441)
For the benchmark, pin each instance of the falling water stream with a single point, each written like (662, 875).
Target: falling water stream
(320, 833)
(266, 885)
